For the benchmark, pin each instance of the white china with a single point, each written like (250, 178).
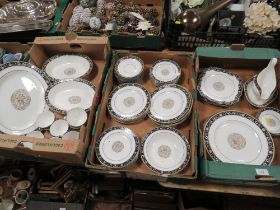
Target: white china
(165, 150)
(68, 94)
(22, 90)
(254, 98)
(165, 71)
(236, 137)
(45, 119)
(270, 119)
(170, 103)
(76, 117)
(128, 103)
(129, 69)
(117, 147)
(36, 134)
(7, 204)
(266, 79)
(219, 86)
(21, 197)
(59, 128)
(72, 135)
(68, 66)
(23, 185)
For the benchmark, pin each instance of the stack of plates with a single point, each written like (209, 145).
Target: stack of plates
(165, 150)
(171, 104)
(129, 69)
(117, 147)
(129, 103)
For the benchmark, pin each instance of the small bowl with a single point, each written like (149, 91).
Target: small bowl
(72, 135)
(21, 197)
(59, 128)
(76, 117)
(45, 119)
(36, 134)
(23, 185)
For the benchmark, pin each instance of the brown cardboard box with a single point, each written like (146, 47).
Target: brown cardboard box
(14, 47)
(67, 151)
(139, 170)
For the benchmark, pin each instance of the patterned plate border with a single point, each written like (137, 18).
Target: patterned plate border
(265, 109)
(186, 111)
(275, 96)
(127, 79)
(136, 117)
(158, 82)
(212, 101)
(92, 65)
(181, 167)
(55, 109)
(122, 165)
(213, 118)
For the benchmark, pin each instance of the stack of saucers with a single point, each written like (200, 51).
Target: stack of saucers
(165, 71)
(129, 103)
(129, 69)
(171, 105)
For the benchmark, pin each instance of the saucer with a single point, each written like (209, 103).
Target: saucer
(72, 135)
(65, 95)
(255, 100)
(22, 90)
(68, 66)
(128, 103)
(165, 150)
(170, 104)
(59, 128)
(219, 86)
(236, 137)
(165, 71)
(270, 119)
(76, 117)
(117, 147)
(36, 134)
(45, 119)
(129, 69)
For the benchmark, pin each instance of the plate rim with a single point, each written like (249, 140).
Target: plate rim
(158, 82)
(140, 115)
(214, 117)
(212, 101)
(79, 80)
(265, 109)
(121, 165)
(186, 111)
(92, 65)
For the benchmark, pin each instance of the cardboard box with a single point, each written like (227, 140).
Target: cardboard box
(66, 151)
(139, 170)
(15, 47)
(122, 40)
(244, 63)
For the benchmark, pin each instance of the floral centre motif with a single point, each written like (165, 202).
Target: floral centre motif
(117, 146)
(20, 99)
(236, 141)
(218, 86)
(74, 99)
(168, 103)
(165, 72)
(69, 71)
(129, 101)
(270, 122)
(164, 151)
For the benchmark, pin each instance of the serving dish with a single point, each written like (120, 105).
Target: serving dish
(270, 119)
(76, 117)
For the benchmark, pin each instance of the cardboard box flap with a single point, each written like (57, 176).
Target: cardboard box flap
(247, 53)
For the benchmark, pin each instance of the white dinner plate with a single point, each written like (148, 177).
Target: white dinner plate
(165, 71)
(22, 90)
(270, 118)
(128, 103)
(236, 137)
(170, 103)
(165, 150)
(68, 66)
(65, 95)
(219, 86)
(117, 147)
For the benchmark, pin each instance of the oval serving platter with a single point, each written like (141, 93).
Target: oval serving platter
(219, 86)
(65, 95)
(22, 90)
(68, 66)
(236, 137)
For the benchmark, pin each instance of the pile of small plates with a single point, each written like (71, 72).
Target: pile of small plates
(129, 103)
(165, 150)
(236, 137)
(117, 147)
(165, 71)
(270, 118)
(219, 86)
(171, 104)
(129, 69)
